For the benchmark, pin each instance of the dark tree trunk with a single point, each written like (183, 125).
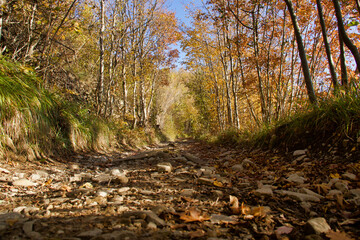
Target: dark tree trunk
(327, 46)
(344, 36)
(302, 54)
(344, 77)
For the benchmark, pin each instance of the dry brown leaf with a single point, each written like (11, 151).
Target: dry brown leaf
(259, 211)
(197, 234)
(340, 200)
(349, 221)
(218, 184)
(177, 226)
(48, 182)
(65, 188)
(187, 199)
(337, 235)
(234, 205)
(246, 210)
(322, 188)
(193, 215)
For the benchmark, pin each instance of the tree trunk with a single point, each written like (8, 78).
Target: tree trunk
(327, 46)
(223, 57)
(2, 3)
(112, 63)
(31, 29)
(344, 76)
(124, 90)
(280, 97)
(302, 54)
(258, 70)
(100, 85)
(353, 49)
(134, 107)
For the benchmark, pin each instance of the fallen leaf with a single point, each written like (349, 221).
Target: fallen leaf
(337, 235)
(220, 219)
(340, 200)
(187, 199)
(246, 210)
(87, 185)
(335, 175)
(349, 222)
(48, 182)
(234, 205)
(197, 234)
(259, 211)
(322, 188)
(65, 188)
(177, 226)
(193, 215)
(218, 184)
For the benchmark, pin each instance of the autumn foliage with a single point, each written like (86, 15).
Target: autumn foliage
(246, 59)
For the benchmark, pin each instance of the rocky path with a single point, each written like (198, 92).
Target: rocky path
(182, 190)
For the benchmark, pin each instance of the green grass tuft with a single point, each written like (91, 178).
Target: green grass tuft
(334, 123)
(36, 122)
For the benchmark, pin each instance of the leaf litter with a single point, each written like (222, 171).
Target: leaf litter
(205, 192)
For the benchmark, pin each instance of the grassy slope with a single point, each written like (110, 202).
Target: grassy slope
(335, 124)
(35, 122)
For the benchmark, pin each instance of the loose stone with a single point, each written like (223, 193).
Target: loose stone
(24, 183)
(317, 226)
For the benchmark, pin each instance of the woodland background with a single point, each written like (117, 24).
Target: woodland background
(78, 69)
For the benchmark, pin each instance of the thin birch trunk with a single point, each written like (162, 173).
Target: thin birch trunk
(100, 86)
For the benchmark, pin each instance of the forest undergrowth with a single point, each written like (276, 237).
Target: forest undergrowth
(36, 123)
(332, 125)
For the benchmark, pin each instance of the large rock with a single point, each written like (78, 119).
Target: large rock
(247, 163)
(334, 192)
(206, 171)
(355, 192)
(307, 191)
(164, 167)
(188, 192)
(42, 173)
(265, 191)
(24, 183)
(299, 153)
(193, 158)
(28, 229)
(349, 176)
(237, 168)
(317, 226)
(295, 178)
(299, 196)
(102, 178)
(340, 185)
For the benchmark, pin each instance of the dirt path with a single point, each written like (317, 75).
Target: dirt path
(182, 190)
